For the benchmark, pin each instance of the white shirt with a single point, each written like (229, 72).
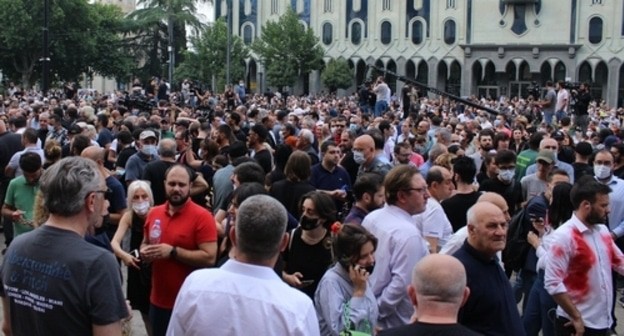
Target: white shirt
(14, 161)
(400, 246)
(433, 223)
(579, 263)
(241, 299)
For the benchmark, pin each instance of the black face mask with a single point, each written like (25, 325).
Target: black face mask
(308, 223)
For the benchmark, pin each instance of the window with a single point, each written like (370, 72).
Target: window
(385, 5)
(450, 4)
(274, 7)
(386, 32)
(417, 32)
(595, 30)
(328, 34)
(327, 8)
(356, 33)
(449, 32)
(247, 34)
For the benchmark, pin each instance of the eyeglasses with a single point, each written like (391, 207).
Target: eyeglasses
(106, 192)
(419, 190)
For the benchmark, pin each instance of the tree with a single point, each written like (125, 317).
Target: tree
(288, 50)
(337, 75)
(208, 58)
(83, 38)
(152, 31)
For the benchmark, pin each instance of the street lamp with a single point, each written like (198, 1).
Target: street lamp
(46, 53)
(228, 52)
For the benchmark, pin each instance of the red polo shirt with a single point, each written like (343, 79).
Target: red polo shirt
(190, 226)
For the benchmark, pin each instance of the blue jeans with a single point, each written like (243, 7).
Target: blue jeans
(380, 107)
(159, 318)
(539, 304)
(548, 117)
(560, 115)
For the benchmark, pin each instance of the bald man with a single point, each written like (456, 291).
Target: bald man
(116, 195)
(458, 238)
(438, 290)
(364, 156)
(491, 308)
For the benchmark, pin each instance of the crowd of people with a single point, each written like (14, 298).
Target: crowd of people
(310, 215)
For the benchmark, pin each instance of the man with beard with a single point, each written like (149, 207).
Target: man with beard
(328, 177)
(368, 192)
(400, 244)
(179, 237)
(486, 144)
(347, 162)
(581, 256)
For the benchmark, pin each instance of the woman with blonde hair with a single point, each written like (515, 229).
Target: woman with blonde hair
(140, 201)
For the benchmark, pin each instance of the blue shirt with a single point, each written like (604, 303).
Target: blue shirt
(566, 167)
(491, 308)
(616, 206)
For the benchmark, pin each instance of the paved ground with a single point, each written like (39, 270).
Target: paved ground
(138, 327)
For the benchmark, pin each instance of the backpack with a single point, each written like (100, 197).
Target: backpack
(517, 247)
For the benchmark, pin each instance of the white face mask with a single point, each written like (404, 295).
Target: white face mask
(602, 171)
(506, 175)
(358, 157)
(141, 208)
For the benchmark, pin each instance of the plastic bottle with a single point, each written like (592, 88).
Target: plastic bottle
(155, 232)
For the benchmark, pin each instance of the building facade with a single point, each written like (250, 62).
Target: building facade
(465, 47)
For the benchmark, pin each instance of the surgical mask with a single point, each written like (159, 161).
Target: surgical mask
(506, 175)
(602, 171)
(370, 268)
(308, 223)
(358, 157)
(141, 208)
(334, 129)
(149, 150)
(353, 127)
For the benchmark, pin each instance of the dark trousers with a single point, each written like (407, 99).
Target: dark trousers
(562, 330)
(540, 310)
(159, 318)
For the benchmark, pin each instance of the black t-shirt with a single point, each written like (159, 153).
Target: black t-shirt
(289, 193)
(457, 206)
(263, 158)
(310, 260)
(582, 169)
(512, 193)
(566, 154)
(154, 172)
(124, 155)
(426, 329)
(59, 284)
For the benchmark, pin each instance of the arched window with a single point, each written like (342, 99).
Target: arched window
(417, 32)
(247, 34)
(386, 32)
(356, 33)
(595, 30)
(328, 33)
(449, 32)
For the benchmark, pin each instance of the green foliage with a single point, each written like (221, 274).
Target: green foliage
(83, 38)
(337, 75)
(151, 33)
(288, 50)
(209, 56)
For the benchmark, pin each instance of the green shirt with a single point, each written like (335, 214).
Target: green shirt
(525, 159)
(21, 196)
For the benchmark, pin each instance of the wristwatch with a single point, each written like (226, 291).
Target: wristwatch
(173, 253)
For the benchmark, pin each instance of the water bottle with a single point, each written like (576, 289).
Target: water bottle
(155, 231)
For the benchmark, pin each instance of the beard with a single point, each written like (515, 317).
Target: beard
(177, 199)
(594, 218)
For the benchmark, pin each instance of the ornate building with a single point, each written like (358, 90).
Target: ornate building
(485, 47)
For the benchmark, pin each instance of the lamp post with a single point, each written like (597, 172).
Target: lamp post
(46, 53)
(170, 49)
(228, 51)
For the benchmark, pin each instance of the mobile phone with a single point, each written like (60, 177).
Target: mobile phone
(306, 283)
(135, 253)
